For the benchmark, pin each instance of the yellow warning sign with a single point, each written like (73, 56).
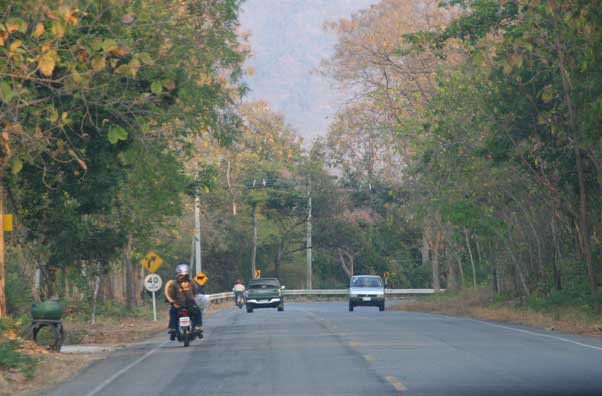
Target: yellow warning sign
(7, 222)
(201, 278)
(151, 262)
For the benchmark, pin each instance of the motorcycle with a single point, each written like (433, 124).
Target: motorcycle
(184, 330)
(239, 300)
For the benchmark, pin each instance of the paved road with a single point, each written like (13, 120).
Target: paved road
(322, 349)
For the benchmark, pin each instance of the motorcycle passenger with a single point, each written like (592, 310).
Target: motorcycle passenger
(238, 290)
(181, 292)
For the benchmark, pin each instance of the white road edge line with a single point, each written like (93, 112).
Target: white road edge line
(533, 333)
(118, 374)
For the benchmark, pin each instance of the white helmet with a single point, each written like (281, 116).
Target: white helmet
(182, 269)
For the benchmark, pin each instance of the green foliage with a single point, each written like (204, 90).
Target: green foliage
(18, 290)
(11, 358)
(100, 101)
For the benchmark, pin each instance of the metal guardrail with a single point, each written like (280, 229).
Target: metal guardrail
(220, 296)
(329, 292)
(344, 292)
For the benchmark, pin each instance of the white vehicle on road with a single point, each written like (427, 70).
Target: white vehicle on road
(367, 290)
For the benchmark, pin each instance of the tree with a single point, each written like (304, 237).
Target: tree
(81, 82)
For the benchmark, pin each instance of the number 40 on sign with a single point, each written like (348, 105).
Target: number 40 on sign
(153, 283)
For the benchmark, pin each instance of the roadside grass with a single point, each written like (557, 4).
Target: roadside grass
(552, 312)
(18, 357)
(13, 360)
(114, 325)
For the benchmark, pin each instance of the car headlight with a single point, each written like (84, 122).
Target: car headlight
(352, 294)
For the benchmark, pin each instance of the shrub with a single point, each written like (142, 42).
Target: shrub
(11, 358)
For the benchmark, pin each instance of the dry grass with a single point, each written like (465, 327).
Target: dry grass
(113, 331)
(478, 304)
(53, 368)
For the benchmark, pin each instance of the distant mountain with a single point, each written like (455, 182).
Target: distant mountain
(288, 43)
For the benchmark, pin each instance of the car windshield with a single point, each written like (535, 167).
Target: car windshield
(263, 285)
(366, 282)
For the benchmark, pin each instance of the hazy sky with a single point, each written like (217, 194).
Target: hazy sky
(288, 43)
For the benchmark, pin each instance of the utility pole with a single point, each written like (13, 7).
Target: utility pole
(197, 234)
(264, 183)
(308, 239)
(254, 252)
(193, 242)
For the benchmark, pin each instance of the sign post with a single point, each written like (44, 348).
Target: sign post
(153, 283)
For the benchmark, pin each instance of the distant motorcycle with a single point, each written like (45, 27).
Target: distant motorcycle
(184, 331)
(239, 301)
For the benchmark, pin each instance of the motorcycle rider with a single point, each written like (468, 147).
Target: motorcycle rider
(238, 290)
(181, 292)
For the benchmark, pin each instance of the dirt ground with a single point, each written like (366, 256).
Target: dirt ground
(54, 368)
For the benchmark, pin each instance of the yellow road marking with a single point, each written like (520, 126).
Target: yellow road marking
(396, 384)
(370, 358)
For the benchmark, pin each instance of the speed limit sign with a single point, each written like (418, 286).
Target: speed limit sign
(153, 282)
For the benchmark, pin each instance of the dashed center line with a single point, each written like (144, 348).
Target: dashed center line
(396, 384)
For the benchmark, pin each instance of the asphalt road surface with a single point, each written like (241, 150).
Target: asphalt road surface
(322, 349)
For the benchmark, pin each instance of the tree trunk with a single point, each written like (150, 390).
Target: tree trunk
(478, 249)
(129, 276)
(95, 296)
(584, 225)
(351, 264)
(2, 257)
(519, 270)
(453, 282)
(494, 282)
(557, 281)
(567, 87)
(228, 182)
(140, 283)
(461, 268)
(435, 253)
(278, 260)
(474, 271)
(35, 291)
(308, 240)
(425, 246)
(347, 266)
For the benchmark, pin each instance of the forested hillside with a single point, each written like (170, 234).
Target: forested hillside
(481, 121)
